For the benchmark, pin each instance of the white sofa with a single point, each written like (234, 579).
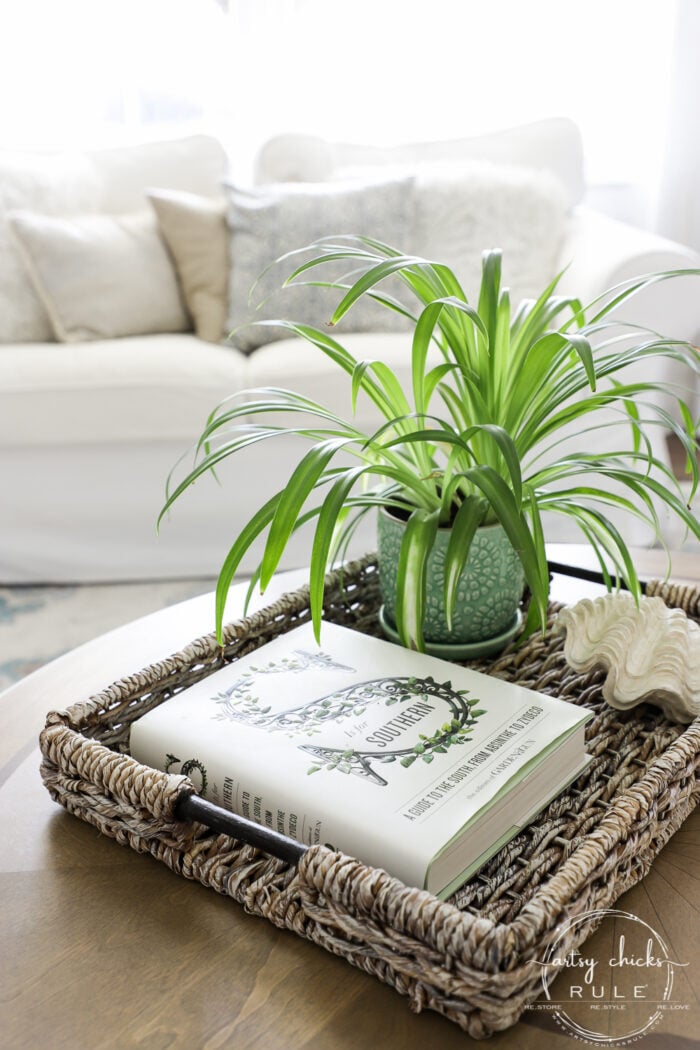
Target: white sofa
(90, 430)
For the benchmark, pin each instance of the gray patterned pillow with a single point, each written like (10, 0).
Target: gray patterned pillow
(267, 222)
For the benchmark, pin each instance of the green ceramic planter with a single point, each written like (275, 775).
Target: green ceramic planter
(490, 589)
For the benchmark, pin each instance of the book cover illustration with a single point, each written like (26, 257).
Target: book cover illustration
(417, 696)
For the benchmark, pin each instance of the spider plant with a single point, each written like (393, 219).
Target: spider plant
(472, 441)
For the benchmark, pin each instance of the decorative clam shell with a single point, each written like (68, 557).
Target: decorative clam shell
(651, 652)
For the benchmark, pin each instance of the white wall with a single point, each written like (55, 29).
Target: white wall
(91, 72)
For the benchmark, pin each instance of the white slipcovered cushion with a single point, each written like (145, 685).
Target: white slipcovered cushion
(554, 144)
(464, 209)
(162, 387)
(196, 164)
(299, 366)
(109, 181)
(139, 389)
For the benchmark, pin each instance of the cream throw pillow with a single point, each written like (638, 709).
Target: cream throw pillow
(101, 276)
(196, 233)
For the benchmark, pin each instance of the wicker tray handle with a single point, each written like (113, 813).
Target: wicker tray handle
(118, 783)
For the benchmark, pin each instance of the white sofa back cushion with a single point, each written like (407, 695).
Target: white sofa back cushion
(553, 145)
(197, 164)
(54, 185)
(109, 181)
(464, 209)
(132, 393)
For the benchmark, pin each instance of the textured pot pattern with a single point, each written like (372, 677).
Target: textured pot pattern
(488, 593)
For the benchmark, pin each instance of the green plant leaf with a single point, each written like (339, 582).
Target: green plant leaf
(416, 545)
(490, 290)
(248, 534)
(469, 516)
(330, 513)
(433, 378)
(423, 336)
(303, 480)
(499, 351)
(613, 297)
(511, 518)
(371, 277)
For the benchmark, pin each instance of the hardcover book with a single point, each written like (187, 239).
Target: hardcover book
(407, 762)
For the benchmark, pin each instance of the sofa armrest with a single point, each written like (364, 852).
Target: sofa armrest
(601, 252)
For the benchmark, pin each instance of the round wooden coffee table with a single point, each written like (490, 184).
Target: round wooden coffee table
(104, 948)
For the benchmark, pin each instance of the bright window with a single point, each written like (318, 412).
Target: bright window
(88, 72)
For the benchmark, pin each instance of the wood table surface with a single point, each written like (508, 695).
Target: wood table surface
(103, 948)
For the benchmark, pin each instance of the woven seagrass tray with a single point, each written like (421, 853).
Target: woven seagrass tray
(476, 964)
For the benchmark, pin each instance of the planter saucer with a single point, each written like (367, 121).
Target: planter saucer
(460, 650)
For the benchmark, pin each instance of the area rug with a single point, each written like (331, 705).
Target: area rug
(37, 624)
